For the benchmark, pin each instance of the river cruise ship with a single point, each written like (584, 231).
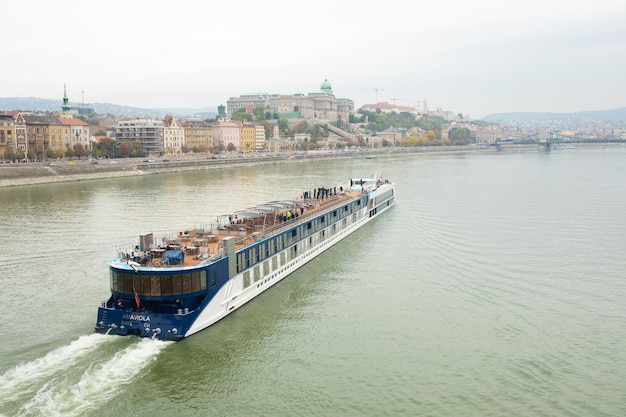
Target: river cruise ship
(172, 287)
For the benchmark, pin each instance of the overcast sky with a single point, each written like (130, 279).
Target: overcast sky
(472, 57)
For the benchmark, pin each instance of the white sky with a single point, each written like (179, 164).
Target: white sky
(472, 57)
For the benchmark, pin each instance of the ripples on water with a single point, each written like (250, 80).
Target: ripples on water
(68, 381)
(495, 287)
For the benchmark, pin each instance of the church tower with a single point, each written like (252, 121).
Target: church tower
(66, 109)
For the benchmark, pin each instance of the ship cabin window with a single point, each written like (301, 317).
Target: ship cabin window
(240, 261)
(145, 285)
(158, 285)
(177, 285)
(257, 273)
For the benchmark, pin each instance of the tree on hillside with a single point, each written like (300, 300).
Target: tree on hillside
(259, 113)
(302, 127)
(241, 116)
(269, 129)
(431, 136)
(283, 125)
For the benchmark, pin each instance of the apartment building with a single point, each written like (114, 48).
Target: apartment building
(40, 130)
(248, 137)
(173, 136)
(260, 137)
(75, 131)
(225, 134)
(7, 133)
(149, 132)
(198, 136)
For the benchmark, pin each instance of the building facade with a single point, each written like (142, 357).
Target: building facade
(75, 131)
(7, 134)
(173, 136)
(225, 134)
(147, 131)
(20, 131)
(39, 130)
(260, 137)
(198, 136)
(322, 105)
(248, 137)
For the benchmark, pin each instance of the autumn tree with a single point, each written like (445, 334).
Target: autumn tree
(460, 136)
(79, 150)
(124, 149)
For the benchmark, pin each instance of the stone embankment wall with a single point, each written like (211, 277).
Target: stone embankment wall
(37, 173)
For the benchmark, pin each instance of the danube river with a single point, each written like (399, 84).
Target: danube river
(495, 287)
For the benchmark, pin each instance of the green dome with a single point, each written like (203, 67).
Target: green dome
(326, 86)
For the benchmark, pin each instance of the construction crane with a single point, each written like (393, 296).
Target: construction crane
(376, 90)
(407, 100)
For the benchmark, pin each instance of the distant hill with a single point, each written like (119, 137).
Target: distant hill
(42, 104)
(606, 115)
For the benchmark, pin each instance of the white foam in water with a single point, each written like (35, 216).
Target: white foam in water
(53, 362)
(97, 385)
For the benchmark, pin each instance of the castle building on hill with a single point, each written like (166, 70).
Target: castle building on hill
(322, 105)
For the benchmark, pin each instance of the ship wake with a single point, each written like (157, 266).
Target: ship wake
(69, 382)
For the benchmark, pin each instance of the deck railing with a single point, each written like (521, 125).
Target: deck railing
(303, 218)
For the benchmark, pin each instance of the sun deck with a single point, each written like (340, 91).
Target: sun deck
(202, 246)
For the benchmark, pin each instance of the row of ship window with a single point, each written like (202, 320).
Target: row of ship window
(264, 250)
(254, 276)
(157, 285)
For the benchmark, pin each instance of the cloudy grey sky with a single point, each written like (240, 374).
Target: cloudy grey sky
(475, 58)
